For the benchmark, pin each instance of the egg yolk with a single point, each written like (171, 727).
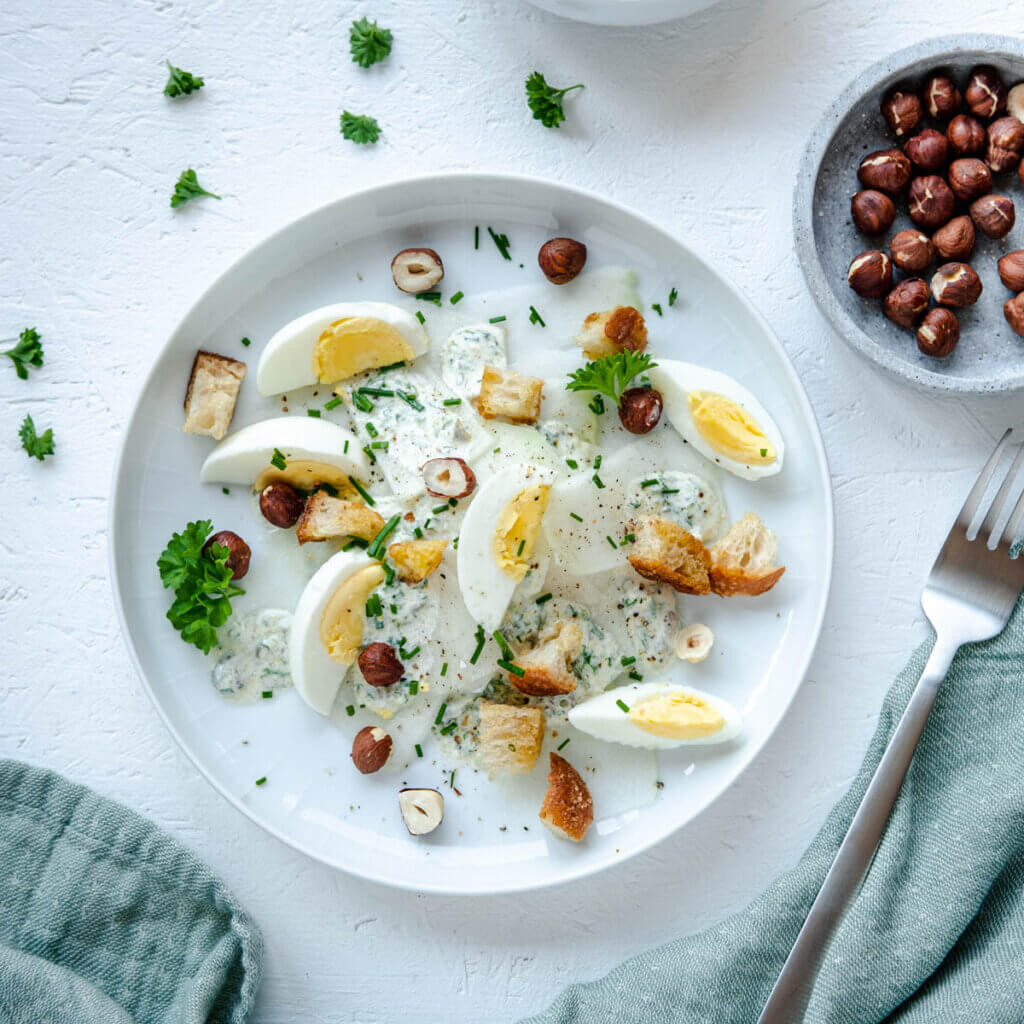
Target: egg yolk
(676, 716)
(517, 529)
(344, 617)
(354, 344)
(304, 475)
(730, 429)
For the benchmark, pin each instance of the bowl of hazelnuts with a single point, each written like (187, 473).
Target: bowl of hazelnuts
(904, 214)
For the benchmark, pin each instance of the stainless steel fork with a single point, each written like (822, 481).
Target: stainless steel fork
(968, 597)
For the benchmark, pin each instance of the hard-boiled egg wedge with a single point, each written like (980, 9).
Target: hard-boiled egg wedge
(657, 716)
(497, 539)
(336, 342)
(298, 450)
(720, 418)
(327, 627)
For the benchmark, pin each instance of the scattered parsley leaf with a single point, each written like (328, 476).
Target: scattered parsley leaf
(187, 188)
(610, 375)
(369, 42)
(546, 101)
(38, 446)
(181, 83)
(28, 352)
(359, 128)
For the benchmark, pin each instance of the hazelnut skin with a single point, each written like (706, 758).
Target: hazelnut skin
(956, 285)
(1011, 270)
(380, 665)
(1005, 142)
(955, 240)
(281, 505)
(239, 552)
(966, 135)
(993, 215)
(887, 170)
(371, 748)
(939, 332)
(870, 274)
(969, 178)
(907, 302)
(941, 97)
(902, 110)
(986, 92)
(930, 201)
(873, 212)
(1013, 310)
(928, 149)
(561, 259)
(640, 409)
(911, 250)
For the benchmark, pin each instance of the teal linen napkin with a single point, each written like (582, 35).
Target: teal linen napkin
(937, 932)
(104, 919)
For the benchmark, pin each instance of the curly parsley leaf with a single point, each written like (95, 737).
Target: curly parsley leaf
(610, 375)
(38, 446)
(187, 188)
(28, 352)
(181, 83)
(202, 582)
(359, 128)
(545, 101)
(369, 42)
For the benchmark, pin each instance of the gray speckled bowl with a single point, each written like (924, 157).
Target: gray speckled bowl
(990, 357)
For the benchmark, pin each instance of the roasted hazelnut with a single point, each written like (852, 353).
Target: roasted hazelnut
(993, 215)
(371, 748)
(561, 259)
(930, 202)
(238, 552)
(422, 810)
(380, 665)
(907, 302)
(887, 170)
(1011, 270)
(640, 410)
(449, 477)
(911, 250)
(969, 178)
(1013, 310)
(941, 97)
(956, 285)
(966, 135)
(870, 274)
(985, 93)
(873, 212)
(902, 110)
(416, 270)
(927, 149)
(955, 240)
(1015, 101)
(281, 505)
(1005, 142)
(939, 332)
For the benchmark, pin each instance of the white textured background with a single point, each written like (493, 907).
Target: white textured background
(699, 124)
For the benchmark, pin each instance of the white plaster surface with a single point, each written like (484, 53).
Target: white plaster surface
(699, 124)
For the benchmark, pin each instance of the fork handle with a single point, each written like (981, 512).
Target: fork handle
(788, 1000)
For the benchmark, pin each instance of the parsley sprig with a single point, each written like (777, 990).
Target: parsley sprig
(181, 83)
(369, 43)
(610, 375)
(38, 446)
(187, 188)
(202, 583)
(28, 352)
(359, 128)
(546, 101)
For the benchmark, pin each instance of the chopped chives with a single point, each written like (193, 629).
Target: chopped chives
(511, 667)
(579, 519)
(670, 490)
(328, 489)
(394, 609)
(453, 502)
(225, 490)
(440, 714)
(392, 366)
(476, 237)
(522, 544)
(497, 319)
(597, 462)
(451, 781)
(544, 598)
(536, 318)
(267, 694)
(444, 669)
(374, 606)
(457, 298)
(417, 533)
(350, 711)
(563, 743)
(656, 306)
(629, 538)
(408, 654)
(362, 403)
(449, 728)
(672, 296)
(377, 392)
(333, 403)
(369, 454)
(597, 480)
(649, 483)
(380, 446)
(315, 413)
(363, 492)
(277, 460)
(596, 405)
(371, 430)
(422, 319)
(610, 541)
(411, 400)
(414, 687)
(572, 463)
(376, 548)
(419, 750)
(481, 639)
(345, 449)
(455, 544)
(355, 542)
(764, 452)
(434, 297)
(627, 661)
(389, 574)
(501, 241)
(246, 342)
(635, 675)
(452, 401)
(260, 781)
(499, 639)
(622, 704)
(438, 509)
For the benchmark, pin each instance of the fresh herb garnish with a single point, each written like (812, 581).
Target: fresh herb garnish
(536, 318)
(315, 413)
(764, 452)
(377, 392)
(656, 306)
(277, 460)
(543, 599)
(449, 728)
(635, 675)
(572, 463)
(359, 128)
(261, 780)
(444, 669)
(563, 743)
(610, 375)
(497, 319)
(246, 342)
(188, 187)
(373, 606)
(369, 43)
(181, 83)
(457, 298)
(350, 710)
(672, 296)
(545, 101)
(501, 241)
(440, 714)
(363, 492)
(579, 519)
(622, 704)
(499, 639)
(626, 662)
(481, 639)
(452, 401)
(38, 446)
(511, 667)
(410, 399)
(434, 297)
(610, 541)
(28, 352)
(419, 316)
(333, 403)
(597, 480)
(649, 483)
(476, 237)
(597, 462)
(596, 405)
(419, 750)
(361, 402)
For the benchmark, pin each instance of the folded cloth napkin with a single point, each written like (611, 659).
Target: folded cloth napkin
(104, 919)
(936, 933)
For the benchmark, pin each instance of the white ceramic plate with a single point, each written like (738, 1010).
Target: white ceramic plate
(623, 12)
(491, 840)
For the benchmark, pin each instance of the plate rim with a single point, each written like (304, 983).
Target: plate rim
(493, 179)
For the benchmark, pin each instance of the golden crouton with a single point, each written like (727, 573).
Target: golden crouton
(664, 551)
(509, 396)
(568, 808)
(325, 518)
(547, 666)
(213, 388)
(415, 560)
(743, 561)
(614, 330)
(510, 737)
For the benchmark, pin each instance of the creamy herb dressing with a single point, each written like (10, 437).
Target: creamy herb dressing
(252, 655)
(687, 499)
(465, 353)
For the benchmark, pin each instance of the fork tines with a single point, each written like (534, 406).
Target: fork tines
(1003, 499)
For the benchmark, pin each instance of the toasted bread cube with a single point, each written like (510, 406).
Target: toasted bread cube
(326, 517)
(415, 560)
(743, 561)
(510, 737)
(213, 388)
(568, 808)
(615, 330)
(665, 552)
(511, 396)
(548, 666)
